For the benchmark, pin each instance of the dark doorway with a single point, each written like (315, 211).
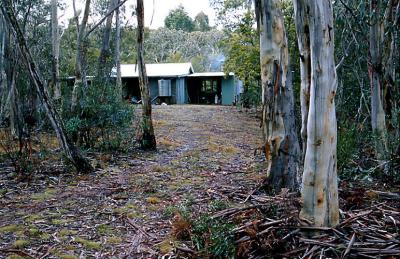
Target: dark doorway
(202, 90)
(131, 88)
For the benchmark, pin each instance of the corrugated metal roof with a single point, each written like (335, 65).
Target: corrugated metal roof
(157, 70)
(210, 74)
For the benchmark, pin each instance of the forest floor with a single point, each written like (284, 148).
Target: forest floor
(126, 208)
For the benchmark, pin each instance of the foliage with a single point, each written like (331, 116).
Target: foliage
(178, 19)
(169, 45)
(103, 121)
(242, 49)
(201, 22)
(213, 237)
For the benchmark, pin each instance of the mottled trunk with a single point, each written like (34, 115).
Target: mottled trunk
(148, 140)
(303, 39)
(118, 51)
(104, 69)
(81, 164)
(80, 60)
(375, 70)
(3, 87)
(319, 186)
(278, 121)
(55, 37)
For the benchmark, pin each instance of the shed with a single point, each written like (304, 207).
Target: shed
(186, 85)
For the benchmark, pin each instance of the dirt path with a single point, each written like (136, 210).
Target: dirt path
(125, 208)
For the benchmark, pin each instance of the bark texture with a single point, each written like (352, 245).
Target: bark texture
(81, 164)
(118, 51)
(80, 60)
(104, 68)
(319, 186)
(55, 37)
(378, 120)
(148, 141)
(303, 39)
(278, 121)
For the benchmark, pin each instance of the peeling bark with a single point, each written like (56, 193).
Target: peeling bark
(303, 39)
(278, 120)
(319, 186)
(148, 139)
(375, 71)
(81, 164)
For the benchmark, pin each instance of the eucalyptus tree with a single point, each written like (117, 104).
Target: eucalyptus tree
(118, 49)
(104, 69)
(55, 38)
(179, 19)
(281, 144)
(148, 139)
(71, 152)
(319, 189)
(80, 60)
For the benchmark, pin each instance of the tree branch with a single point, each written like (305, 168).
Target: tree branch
(104, 18)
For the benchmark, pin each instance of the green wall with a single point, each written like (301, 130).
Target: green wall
(228, 90)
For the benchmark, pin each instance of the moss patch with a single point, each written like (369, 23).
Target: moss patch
(88, 244)
(43, 196)
(11, 229)
(20, 243)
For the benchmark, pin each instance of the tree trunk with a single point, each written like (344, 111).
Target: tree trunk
(278, 123)
(148, 141)
(2, 43)
(375, 72)
(303, 39)
(104, 69)
(80, 61)
(2, 73)
(319, 186)
(55, 37)
(118, 51)
(71, 152)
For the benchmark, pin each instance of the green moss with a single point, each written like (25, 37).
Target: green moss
(153, 200)
(45, 236)
(88, 244)
(43, 196)
(20, 243)
(166, 246)
(67, 232)
(134, 215)
(15, 257)
(11, 229)
(34, 232)
(59, 221)
(34, 217)
(104, 229)
(114, 240)
(67, 256)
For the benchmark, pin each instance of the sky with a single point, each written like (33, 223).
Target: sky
(160, 8)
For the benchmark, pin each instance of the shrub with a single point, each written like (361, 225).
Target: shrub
(103, 119)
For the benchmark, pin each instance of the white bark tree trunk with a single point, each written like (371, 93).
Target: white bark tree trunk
(378, 120)
(278, 123)
(55, 37)
(118, 50)
(104, 68)
(71, 152)
(303, 39)
(319, 186)
(80, 61)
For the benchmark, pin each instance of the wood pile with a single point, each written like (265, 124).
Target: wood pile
(270, 227)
